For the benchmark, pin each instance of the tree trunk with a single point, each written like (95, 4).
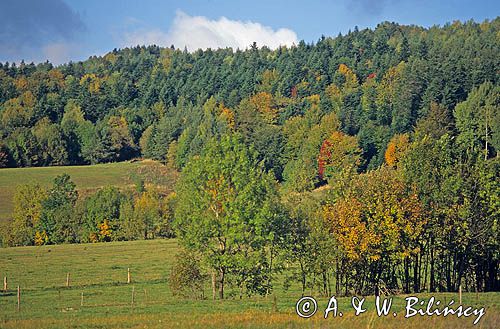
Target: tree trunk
(270, 269)
(337, 279)
(303, 274)
(416, 277)
(214, 285)
(426, 267)
(329, 285)
(433, 283)
(325, 283)
(346, 277)
(407, 275)
(221, 283)
(448, 273)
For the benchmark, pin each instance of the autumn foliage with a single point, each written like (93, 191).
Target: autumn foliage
(264, 104)
(339, 156)
(377, 224)
(396, 149)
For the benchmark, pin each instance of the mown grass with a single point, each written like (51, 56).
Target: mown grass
(100, 272)
(86, 178)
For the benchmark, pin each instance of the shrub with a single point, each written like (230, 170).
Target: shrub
(186, 278)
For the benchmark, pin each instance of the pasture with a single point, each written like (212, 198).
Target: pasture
(99, 271)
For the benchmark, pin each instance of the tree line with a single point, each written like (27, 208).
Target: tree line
(366, 163)
(59, 214)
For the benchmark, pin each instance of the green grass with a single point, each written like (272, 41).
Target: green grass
(100, 272)
(86, 178)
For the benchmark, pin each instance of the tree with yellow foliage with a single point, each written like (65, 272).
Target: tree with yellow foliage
(27, 212)
(105, 231)
(120, 137)
(264, 104)
(376, 224)
(351, 81)
(147, 213)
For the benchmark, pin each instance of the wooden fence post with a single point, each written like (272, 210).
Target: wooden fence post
(275, 303)
(128, 275)
(18, 298)
(67, 280)
(5, 283)
(460, 294)
(81, 300)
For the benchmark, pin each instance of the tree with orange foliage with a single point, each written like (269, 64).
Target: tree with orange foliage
(396, 149)
(227, 115)
(104, 231)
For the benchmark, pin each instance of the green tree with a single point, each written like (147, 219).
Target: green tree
(72, 124)
(478, 119)
(307, 244)
(57, 217)
(226, 210)
(24, 147)
(101, 214)
(52, 144)
(339, 158)
(131, 226)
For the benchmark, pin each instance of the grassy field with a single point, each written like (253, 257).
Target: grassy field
(99, 271)
(86, 178)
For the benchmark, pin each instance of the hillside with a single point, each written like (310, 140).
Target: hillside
(369, 159)
(87, 178)
(154, 101)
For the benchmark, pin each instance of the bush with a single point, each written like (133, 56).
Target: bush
(186, 278)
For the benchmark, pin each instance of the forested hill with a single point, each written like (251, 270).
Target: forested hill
(165, 103)
(384, 144)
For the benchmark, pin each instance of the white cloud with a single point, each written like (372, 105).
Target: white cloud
(58, 53)
(196, 32)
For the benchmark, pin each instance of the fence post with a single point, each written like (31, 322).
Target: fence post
(81, 300)
(5, 284)
(128, 275)
(18, 298)
(460, 294)
(67, 279)
(275, 303)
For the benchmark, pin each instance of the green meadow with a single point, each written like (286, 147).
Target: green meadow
(99, 272)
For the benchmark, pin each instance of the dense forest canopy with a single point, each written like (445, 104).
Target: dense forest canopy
(368, 161)
(137, 101)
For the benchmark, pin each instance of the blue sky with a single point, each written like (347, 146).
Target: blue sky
(63, 30)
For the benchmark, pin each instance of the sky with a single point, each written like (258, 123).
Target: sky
(72, 30)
